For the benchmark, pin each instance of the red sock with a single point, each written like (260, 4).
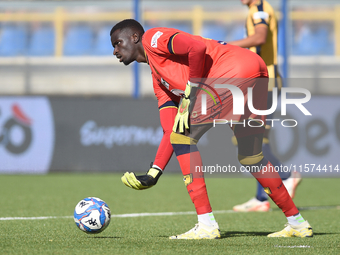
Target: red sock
(274, 187)
(194, 181)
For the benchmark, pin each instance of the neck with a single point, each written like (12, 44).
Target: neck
(141, 58)
(252, 2)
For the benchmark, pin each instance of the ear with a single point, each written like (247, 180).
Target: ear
(136, 37)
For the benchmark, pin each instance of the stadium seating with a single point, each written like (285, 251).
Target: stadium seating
(42, 42)
(183, 27)
(148, 26)
(214, 31)
(78, 41)
(102, 44)
(236, 33)
(324, 41)
(310, 42)
(13, 40)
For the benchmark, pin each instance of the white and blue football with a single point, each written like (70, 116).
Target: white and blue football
(92, 215)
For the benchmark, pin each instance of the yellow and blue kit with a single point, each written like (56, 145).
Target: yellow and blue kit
(262, 13)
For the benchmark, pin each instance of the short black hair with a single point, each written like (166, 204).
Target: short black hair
(128, 23)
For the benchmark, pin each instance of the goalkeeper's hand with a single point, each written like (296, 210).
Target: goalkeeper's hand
(182, 117)
(142, 181)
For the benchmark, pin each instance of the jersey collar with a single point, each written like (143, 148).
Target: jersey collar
(146, 57)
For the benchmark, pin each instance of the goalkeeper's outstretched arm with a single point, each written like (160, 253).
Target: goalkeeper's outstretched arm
(167, 113)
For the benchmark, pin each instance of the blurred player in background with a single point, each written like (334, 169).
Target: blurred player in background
(177, 61)
(262, 30)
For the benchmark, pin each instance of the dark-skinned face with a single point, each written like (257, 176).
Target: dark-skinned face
(125, 45)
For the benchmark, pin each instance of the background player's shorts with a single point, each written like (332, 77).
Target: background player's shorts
(275, 80)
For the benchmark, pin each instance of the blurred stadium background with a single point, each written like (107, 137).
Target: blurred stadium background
(57, 55)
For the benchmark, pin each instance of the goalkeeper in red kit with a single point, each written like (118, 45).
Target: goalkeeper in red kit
(185, 68)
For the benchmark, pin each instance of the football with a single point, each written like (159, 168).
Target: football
(92, 215)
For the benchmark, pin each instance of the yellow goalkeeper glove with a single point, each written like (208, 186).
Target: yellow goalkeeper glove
(142, 181)
(182, 117)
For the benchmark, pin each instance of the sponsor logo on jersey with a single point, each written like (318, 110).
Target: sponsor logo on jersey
(177, 92)
(261, 15)
(165, 83)
(155, 38)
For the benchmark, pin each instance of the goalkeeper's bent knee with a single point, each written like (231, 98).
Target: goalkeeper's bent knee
(250, 160)
(182, 139)
(183, 144)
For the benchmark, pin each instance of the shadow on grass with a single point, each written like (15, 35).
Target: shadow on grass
(227, 234)
(322, 234)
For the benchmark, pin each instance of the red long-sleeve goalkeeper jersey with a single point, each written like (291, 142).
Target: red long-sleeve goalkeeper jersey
(176, 57)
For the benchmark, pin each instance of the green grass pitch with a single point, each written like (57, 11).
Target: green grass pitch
(242, 233)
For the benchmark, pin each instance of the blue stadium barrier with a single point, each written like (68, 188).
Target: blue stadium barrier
(280, 39)
(13, 40)
(78, 41)
(42, 42)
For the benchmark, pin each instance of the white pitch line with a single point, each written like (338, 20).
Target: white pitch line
(35, 218)
(127, 215)
(133, 215)
(293, 246)
(163, 214)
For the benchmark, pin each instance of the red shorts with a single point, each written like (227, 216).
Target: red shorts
(216, 105)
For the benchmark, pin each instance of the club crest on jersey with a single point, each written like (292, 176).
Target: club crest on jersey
(155, 38)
